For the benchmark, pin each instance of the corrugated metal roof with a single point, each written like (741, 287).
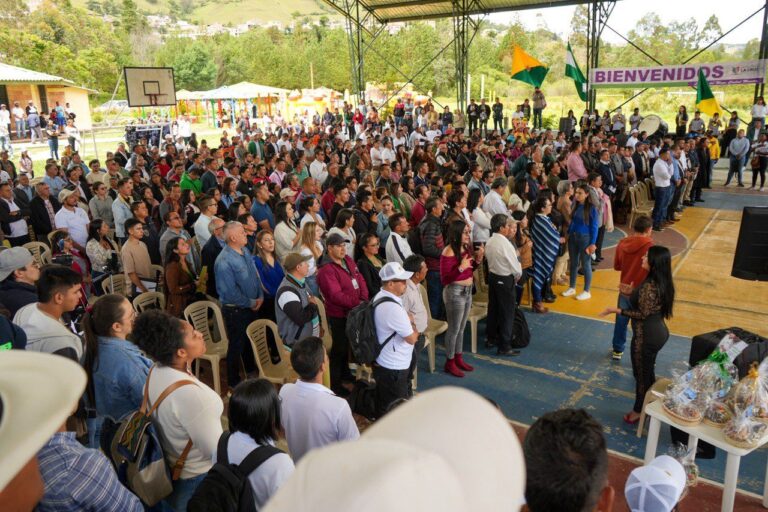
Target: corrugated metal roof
(14, 74)
(408, 10)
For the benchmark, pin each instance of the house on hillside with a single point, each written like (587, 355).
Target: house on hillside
(23, 85)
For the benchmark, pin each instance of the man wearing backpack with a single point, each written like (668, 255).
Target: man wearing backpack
(311, 414)
(397, 334)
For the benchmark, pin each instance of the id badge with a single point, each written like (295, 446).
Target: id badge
(354, 284)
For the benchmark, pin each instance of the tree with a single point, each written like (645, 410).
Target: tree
(194, 68)
(94, 5)
(129, 16)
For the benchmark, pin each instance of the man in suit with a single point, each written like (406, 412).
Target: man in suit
(640, 159)
(23, 194)
(210, 252)
(42, 211)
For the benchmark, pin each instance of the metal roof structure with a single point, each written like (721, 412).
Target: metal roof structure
(16, 75)
(393, 11)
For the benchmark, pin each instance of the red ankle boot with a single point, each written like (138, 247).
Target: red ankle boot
(461, 364)
(452, 369)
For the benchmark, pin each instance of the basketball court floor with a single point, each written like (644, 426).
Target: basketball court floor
(568, 362)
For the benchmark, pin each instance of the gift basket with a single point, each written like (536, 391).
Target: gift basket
(743, 430)
(752, 392)
(702, 388)
(717, 413)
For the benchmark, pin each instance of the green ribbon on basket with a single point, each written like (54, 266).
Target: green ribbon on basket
(720, 358)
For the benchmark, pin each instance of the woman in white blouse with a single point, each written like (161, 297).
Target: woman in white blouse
(311, 206)
(481, 220)
(518, 199)
(343, 226)
(188, 419)
(286, 231)
(310, 245)
(759, 111)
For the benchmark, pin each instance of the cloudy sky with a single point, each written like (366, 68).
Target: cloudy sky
(628, 12)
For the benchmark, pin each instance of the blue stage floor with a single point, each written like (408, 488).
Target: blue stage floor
(568, 364)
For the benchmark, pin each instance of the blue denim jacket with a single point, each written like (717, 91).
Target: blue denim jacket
(119, 377)
(237, 279)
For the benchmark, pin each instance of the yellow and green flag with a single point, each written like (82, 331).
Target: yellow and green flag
(705, 100)
(527, 69)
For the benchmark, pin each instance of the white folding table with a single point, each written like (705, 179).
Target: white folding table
(711, 435)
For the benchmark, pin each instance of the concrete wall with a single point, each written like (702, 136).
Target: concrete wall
(76, 97)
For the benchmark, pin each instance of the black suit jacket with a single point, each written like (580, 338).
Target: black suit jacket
(38, 215)
(5, 217)
(210, 252)
(22, 201)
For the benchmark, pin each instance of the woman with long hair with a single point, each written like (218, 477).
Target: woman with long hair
(116, 368)
(369, 262)
(681, 121)
(582, 240)
(191, 211)
(100, 250)
(481, 220)
(345, 219)
(286, 230)
(561, 217)
(546, 243)
(158, 186)
(518, 199)
(229, 193)
(310, 244)
(180, 279)
(270, 271)
(63, 247)
(457, 265)
(651, 303)
(235, 210)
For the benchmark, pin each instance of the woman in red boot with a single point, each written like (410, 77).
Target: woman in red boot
(457, 264)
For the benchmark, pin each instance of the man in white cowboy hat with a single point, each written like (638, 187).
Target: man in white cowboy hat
(447, 450)
(44, 467)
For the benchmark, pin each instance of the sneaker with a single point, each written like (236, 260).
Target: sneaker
(584, 296)
(616, 356)
(751, 188)
(762, 189)
(569, 292)
(658, 228)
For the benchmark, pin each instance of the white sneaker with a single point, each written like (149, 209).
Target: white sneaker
(762, 189)
(584, 296)
(569, 292)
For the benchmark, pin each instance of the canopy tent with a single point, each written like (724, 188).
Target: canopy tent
(222, 105)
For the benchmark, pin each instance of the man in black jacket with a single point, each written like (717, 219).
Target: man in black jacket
(640, 159)
(42, 211)
(366, 218)
(18, 274)
(23, 193)
(210, 252)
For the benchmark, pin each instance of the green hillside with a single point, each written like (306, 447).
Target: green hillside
(227, 11)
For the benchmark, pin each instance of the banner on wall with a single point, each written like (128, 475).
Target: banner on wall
(718, 73)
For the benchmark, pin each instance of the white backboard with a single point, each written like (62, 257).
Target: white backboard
(150, 87)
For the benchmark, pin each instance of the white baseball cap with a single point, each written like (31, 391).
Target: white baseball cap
(38, 392)
(446, 450)
(394, 271)
(656, 487)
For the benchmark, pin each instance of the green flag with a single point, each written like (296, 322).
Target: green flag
(705, 100)
(572, 70)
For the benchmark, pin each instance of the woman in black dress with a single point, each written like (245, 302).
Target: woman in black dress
(652, 303)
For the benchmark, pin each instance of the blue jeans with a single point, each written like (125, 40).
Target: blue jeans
(620, 327)
(20, 130)
(182, 492)
(736, 166)
(53, 145)
(435, 293)
(5, 144)
(661, 196)
(577, 252)
(537, 117)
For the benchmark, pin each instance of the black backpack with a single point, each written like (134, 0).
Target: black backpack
(226, 487)
(361, 332)
(521, 334)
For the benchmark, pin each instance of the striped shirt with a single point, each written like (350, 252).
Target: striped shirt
(80, 479)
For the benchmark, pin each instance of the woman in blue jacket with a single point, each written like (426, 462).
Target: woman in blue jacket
(582, 240)
(116, 368)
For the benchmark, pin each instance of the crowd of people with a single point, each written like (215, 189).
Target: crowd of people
(282, 224)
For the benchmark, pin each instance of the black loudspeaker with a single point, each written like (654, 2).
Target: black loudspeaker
(751, 259)
(565, 125)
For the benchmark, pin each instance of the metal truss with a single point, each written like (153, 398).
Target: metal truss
(597, 19)
(464, 30)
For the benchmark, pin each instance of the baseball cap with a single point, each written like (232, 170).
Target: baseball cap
(411, 454)
(286, 192)
(293, 259)
(394, 271)
(13, 259)
(221, 174)
(336, 239)
(656, 487)
(38, 391)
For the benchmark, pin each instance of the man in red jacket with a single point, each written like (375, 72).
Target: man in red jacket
(628, 261)
(343, 288)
